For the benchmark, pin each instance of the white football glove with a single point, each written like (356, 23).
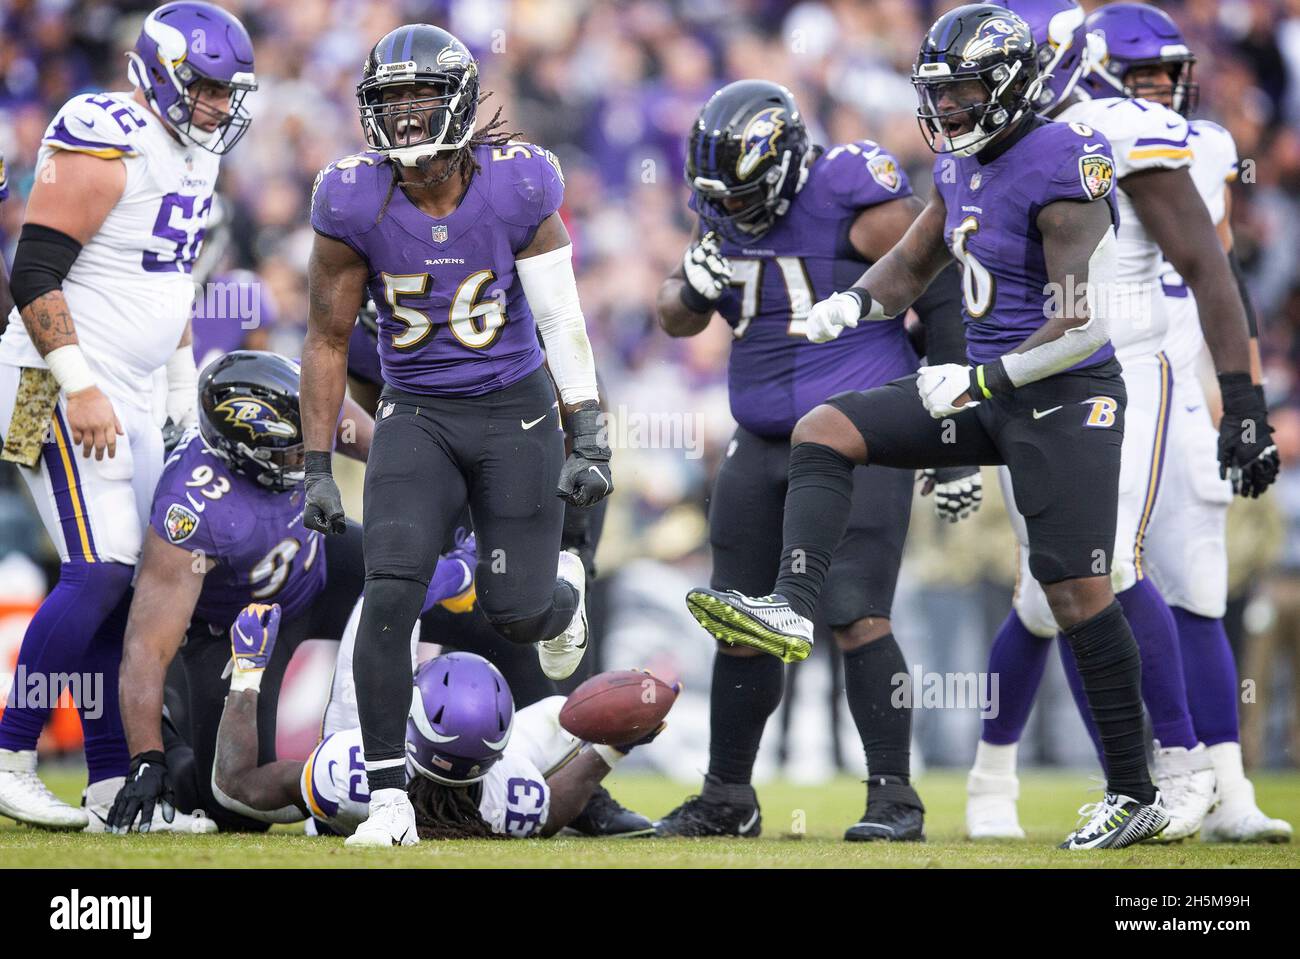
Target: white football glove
(828, 318)
(707, 271)
(941, 386)
(958, 491)
(183, 388)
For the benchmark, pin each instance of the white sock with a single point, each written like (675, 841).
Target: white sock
(993, 760)
(1228, 769)
(386, 797)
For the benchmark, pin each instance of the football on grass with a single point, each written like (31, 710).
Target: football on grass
(617, 707)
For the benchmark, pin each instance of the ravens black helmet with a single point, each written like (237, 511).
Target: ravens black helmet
(975, 76)
(747, 157)
(439, 111)
(249, 417)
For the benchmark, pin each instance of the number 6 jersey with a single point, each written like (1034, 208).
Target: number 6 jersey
(254, 535)
(130, 290)
(453, 320)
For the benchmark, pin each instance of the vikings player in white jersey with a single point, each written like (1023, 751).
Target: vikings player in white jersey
(102, 289)
(1161, 216)
(479, 768)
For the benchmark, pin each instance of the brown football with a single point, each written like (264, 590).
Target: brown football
(617, 707)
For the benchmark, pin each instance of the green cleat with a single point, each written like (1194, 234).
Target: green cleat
(765, 623)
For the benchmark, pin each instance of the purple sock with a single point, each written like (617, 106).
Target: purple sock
(107, 754)
(1164, 691)
(59, 637)
(1017, 659)
(1211, 677)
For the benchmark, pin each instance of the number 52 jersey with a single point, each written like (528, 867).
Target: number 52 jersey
(130, 291)
(453, 319)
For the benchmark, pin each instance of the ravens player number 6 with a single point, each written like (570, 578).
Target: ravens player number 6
(453, 231)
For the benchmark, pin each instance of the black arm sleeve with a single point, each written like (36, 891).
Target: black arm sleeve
(1252, 324)
(939, 309)
(43, 258)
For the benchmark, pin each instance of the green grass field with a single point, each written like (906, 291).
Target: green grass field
(802, 826)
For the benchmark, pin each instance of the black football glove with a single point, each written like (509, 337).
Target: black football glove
(147, 784)
(585, 478)
(323, 510)
(1247, 453)
(958, 491)
(171, 434)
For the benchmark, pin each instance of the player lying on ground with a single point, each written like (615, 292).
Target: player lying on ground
(1026, 205)
(456, 235)
(1173, 501)
(101, 279)
(479, 770)
(783, 222)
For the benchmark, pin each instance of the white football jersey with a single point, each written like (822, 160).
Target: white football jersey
(514, 797)
(1214, 166)
(130, 291)
(1143, 136)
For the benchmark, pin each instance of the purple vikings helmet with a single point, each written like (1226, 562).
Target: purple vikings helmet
(1124, 36)
(182, 44)
(1056, 25)
(461, 716)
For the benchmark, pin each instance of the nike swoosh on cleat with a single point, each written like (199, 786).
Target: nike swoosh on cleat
(1038, 415)
(746, 827)
(529, 426)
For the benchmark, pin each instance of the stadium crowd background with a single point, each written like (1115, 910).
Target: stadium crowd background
(612, 87)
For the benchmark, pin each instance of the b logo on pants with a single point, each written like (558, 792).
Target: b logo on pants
(1102, 413)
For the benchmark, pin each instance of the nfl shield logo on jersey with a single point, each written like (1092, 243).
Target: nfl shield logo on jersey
(181, 523)
(440, 233)
(976, 179)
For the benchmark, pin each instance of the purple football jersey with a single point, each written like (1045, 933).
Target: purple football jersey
(263, 553)
(452, 315)
(991, 228)
(775, 375)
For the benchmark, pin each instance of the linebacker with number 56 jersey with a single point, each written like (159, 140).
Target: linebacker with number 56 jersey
(452, 229)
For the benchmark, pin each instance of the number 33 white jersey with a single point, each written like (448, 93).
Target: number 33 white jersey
(130, 290)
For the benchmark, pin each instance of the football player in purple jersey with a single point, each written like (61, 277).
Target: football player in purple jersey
(455, 234)
(1026, 207)
(6, 298)
(784, 223)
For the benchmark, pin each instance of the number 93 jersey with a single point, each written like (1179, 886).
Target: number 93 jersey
(255, 536)
(453, 320)
(130, 291)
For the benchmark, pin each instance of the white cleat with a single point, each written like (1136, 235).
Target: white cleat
(991, 806)
(561, 655)
(25, 798)
(391, 821)
(97, 800)
(1185, 777)
(1238, 819)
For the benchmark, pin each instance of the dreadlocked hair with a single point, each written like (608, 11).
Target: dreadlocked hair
(446, 812)
(463, 161)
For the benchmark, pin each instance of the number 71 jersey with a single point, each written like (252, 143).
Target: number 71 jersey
(453, 319)
(254, 535)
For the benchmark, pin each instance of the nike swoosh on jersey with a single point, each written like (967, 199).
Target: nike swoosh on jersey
(529, 426)
(1038, 415)
(1093, 146)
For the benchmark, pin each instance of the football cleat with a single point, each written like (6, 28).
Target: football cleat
(1185, 778)
(1238, 819)
(991, 807)
(391, 821)
(1117, 821)
(710, 814)
(561, 655)
(766, 623)
(24, 797)
(97, 800)
(894, 814)
(604, 816)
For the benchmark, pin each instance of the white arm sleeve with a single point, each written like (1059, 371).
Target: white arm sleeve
(552, 293)
(1078, 342)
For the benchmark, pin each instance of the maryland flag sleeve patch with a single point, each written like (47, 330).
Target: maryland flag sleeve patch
(1097, 174)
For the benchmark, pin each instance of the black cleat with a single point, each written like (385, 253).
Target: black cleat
(604, 816)
(894, 814)
(720, 810)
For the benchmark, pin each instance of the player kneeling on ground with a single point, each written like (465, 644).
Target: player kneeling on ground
(479, 773)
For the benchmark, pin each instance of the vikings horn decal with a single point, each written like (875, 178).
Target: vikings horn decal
(759, 139)
(255, 416)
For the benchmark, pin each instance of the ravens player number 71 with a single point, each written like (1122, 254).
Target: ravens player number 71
(454, 233)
